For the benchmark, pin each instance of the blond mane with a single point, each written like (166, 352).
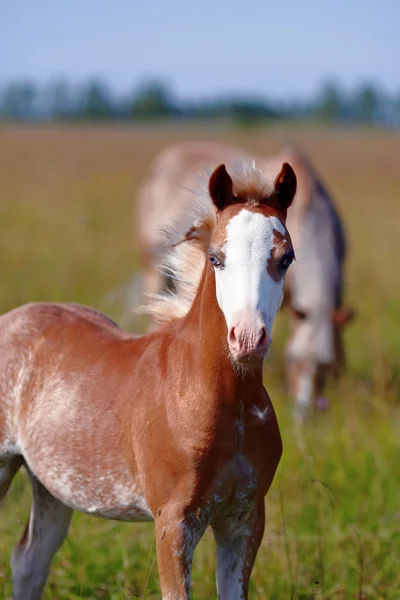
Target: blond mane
(184, 251)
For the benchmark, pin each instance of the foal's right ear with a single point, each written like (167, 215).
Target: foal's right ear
(220, 187)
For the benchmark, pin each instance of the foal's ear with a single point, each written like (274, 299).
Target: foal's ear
(220, 187)
(285, 186)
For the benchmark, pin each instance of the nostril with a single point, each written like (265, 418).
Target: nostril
(262, 340)
(232, 336)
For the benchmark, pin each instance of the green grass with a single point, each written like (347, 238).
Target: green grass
(333, 512)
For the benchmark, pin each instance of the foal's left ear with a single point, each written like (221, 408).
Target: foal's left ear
(285, 186)
(220, 187)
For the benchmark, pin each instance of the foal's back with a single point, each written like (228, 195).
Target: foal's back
(318, 236)
(172, 182)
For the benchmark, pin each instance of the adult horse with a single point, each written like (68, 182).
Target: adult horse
(314, 287)
(157, 427)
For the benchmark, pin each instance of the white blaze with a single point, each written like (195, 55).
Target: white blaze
(244, 285)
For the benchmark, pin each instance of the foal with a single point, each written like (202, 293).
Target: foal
(161, 426)
(314, 286)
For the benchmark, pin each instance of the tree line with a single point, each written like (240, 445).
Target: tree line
(154, 100)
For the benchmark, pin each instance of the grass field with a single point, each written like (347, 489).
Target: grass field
(333, 513)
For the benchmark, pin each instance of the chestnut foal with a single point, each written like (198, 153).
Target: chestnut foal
(314, 288)
(161, 426)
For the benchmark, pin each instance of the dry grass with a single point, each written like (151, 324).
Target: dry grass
(333, 529)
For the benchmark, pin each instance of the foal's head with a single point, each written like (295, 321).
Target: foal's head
(250, 251)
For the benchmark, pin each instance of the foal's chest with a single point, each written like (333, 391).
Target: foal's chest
(239, 483)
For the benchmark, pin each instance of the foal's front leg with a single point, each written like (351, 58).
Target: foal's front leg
(236, 553)
(177, 537)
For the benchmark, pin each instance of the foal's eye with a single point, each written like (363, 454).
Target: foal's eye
(287, 260)
(214, 261)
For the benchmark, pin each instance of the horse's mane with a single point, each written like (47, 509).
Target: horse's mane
(186, 242)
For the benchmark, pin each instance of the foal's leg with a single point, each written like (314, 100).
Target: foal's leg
(44, 533)
(177, 538)
(236, 553)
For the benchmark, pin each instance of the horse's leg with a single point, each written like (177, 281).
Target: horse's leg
(236, 553)
(44, 533)
(176, 539)
(8, 468)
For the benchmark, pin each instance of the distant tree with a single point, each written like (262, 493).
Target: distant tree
(297, 109)
(248, 110)
(96, 101)
(396, 108)
(152, 100)
(18, 100)
(59, 100)
(368, 102)
(330, 102)
(244, 112)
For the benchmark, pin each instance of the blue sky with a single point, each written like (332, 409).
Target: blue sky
(281, 48)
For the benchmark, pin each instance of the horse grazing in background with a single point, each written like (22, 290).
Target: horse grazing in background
(160, 426)
(314, 287)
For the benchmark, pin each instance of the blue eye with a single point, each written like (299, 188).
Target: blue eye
(287, 260)
(214, 261)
